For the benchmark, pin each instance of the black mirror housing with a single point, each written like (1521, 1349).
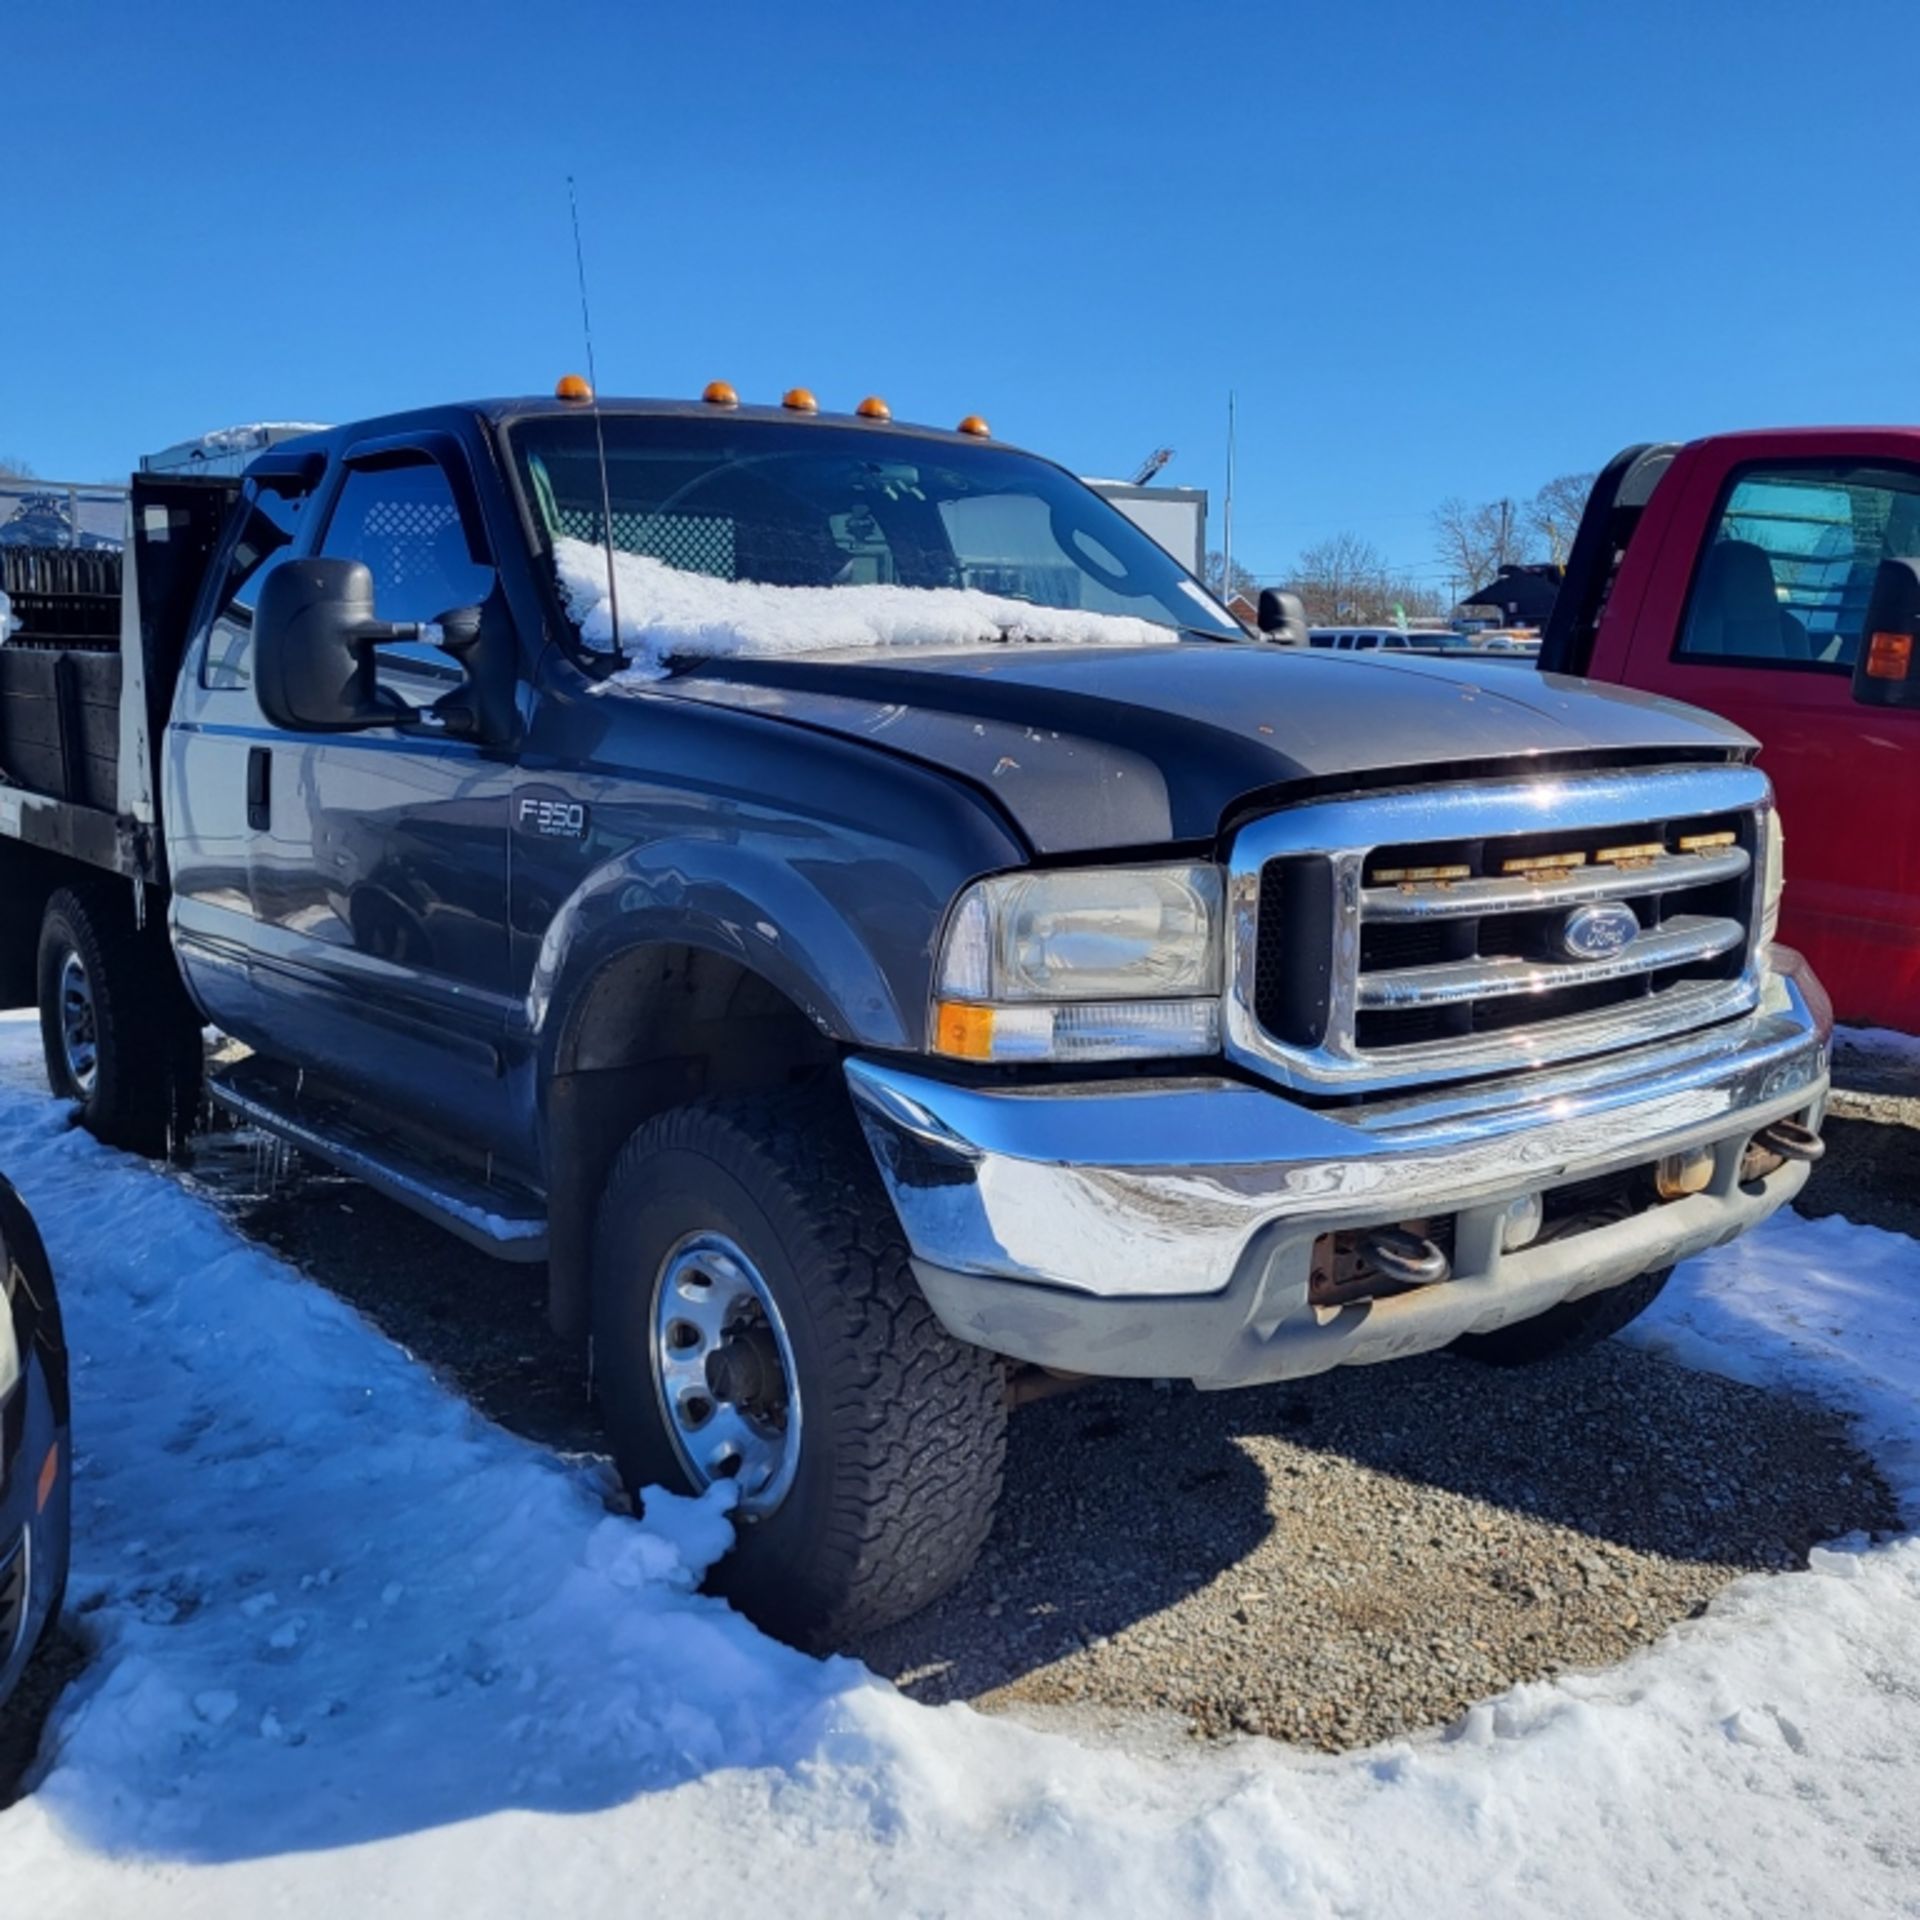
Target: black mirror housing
(1886, 670)
(481, 640)
(314, 635)
(1283, 617)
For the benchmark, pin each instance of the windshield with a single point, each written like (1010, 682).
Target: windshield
(823, 507)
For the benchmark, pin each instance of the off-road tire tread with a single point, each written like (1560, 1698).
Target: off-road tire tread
(1570, 1328)
(918, 1417)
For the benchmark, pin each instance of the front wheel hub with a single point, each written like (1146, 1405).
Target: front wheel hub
(723, 1366)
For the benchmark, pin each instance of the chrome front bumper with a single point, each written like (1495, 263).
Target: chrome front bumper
(1165, 1228)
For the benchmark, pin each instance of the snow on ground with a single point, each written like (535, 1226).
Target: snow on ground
(668, 614)
(359, 1651)
(1879, 1048)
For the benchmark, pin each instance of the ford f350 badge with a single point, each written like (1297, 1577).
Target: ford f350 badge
(548, 815)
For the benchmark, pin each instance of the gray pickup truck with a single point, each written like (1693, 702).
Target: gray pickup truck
(851, 906)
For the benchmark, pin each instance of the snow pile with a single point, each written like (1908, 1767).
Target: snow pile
(357, 1650)
(1821, 1307)
(667, 614)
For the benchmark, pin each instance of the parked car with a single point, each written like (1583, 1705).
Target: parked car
(863, 994)
(34, 1491)
(1361, 639)
(1772, 578)
(1395, 640)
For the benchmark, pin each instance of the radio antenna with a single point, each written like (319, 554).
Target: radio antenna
(599, 432)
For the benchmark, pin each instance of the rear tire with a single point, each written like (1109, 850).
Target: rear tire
(120, 1038)
(897, 1430)
(1569, 1328)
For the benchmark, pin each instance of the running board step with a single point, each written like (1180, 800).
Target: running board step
(506, 1221)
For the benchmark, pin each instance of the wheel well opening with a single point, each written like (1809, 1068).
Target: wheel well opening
(655, 1028)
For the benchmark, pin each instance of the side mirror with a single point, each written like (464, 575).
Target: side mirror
(1283, 617)
(314, 636)
(1886, 670)
(481, 639)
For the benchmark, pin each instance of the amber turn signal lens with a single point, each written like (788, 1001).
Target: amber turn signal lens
(874, 408)
(964, 1032)
(571, 386)
(800, 400)
(1889, 656)
(975, 425)
(49, 1473)
(718, 393)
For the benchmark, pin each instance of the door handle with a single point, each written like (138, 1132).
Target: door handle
(259, 788)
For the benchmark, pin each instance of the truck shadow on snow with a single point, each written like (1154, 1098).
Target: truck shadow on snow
(1177, 1552)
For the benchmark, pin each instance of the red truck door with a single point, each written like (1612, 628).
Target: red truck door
(1744, 590)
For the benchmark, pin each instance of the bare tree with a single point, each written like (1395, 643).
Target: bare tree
(1217, 577)
(1553, 514)
(1346, 579)
(1339, 579)
(1476, 542)
(1342, 578)
(1417, 600)
(12, 468)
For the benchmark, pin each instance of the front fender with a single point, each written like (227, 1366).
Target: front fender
(852, 951)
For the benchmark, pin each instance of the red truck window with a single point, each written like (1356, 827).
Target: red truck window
(1785, 578)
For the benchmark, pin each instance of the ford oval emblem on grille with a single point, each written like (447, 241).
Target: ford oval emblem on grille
(1600, 931)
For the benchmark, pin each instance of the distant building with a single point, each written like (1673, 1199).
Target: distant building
(1174, 517)
(1520, 596)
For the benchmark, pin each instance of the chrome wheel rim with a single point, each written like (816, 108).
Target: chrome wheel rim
(79, 1030)
(723, 1366)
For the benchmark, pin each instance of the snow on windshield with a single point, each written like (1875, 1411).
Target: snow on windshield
(667, 614)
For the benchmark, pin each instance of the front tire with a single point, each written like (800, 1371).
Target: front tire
(120, 1040)
(1571, 1327)
(755, 1316)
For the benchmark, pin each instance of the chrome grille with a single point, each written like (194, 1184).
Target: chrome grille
(1390, 939)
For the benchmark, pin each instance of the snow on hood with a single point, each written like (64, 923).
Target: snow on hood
(667, 614)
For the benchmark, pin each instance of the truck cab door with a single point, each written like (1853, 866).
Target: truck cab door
(378, 870)
(1754, 608)
(214, 734)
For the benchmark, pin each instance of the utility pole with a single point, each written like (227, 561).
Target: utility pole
(1226, 538)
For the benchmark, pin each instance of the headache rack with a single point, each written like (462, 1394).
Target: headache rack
(1434, 933)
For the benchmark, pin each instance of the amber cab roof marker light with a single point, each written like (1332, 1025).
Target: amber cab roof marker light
(572, 386)
(720, 393)
(799, 400)
(975, 425)
(874, 408)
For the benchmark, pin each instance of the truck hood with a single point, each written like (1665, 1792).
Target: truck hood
(1090, 747)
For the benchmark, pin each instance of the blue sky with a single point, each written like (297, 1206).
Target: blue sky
(1437, 246)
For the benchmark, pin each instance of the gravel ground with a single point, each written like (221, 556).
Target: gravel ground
(1329, 1562)
(1367, 1552)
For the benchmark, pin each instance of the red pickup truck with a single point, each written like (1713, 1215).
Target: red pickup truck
(1774, 578)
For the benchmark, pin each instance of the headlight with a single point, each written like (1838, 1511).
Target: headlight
(1118, 963)
(1776, 880)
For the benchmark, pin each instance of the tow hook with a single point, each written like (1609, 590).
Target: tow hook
(1405, 1257)
(1791, 1141)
